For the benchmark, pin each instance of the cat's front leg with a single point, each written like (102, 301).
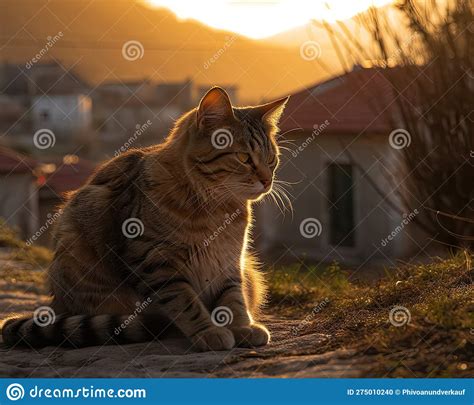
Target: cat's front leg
(176, 298)
(246, 332)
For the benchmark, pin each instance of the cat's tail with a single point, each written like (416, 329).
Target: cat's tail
(81, 330)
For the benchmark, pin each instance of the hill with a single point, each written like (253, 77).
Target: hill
(94, 33)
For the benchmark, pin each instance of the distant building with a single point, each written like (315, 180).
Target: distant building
(63, 175)
(59, 100)
(65, 114)
(31, 191)
(11, 112)
(338, 161)
(179, 94)
(122, 108)
(18, 192)
(54, 97)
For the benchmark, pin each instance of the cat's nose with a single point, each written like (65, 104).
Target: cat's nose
(266, 182)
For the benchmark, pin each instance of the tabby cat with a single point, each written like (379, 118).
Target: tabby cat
(168, 226)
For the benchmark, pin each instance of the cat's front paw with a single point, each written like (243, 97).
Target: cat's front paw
(251, 336)
(215, 339)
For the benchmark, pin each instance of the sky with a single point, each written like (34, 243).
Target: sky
(262, 18)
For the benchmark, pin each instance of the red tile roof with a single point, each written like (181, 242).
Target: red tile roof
(13, 162)
(352, 103)
(68, 177)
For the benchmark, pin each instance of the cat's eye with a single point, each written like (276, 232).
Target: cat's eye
(243, 157)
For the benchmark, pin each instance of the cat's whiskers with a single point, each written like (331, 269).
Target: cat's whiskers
(281, 194)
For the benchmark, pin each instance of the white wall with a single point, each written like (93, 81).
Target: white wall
(19, 202)
(374, 218)
(62, 113)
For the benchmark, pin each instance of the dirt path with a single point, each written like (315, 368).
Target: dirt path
(285, 356)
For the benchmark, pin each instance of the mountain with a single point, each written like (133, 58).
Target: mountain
(95, 31)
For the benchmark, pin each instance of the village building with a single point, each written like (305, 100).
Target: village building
(342, 168)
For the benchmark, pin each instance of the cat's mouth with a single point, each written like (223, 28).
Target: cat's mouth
(257, 189)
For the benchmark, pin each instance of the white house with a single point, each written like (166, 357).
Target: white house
(62, 113)
(340, 162)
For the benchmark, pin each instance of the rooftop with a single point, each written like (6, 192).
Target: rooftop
(353, 103)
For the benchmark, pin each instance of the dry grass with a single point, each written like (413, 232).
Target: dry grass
(20, 251)
(438, 341)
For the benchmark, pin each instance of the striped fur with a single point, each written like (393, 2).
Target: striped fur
(191, 255)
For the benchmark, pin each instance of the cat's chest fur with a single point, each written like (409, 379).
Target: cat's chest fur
(215, 257)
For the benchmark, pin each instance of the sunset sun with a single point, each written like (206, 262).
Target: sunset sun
(262, 18)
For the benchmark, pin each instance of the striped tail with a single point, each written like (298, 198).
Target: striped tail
(82, 330)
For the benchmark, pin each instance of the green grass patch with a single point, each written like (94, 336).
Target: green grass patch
(430, 331)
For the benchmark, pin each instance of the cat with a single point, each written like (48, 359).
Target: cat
(166, 226)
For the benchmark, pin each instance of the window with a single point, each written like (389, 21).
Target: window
(341, 205)
(44, 115)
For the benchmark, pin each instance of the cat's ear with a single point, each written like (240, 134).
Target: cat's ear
(214, 109)
(271, 112)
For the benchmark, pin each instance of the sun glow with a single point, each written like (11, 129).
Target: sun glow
(263, 18)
